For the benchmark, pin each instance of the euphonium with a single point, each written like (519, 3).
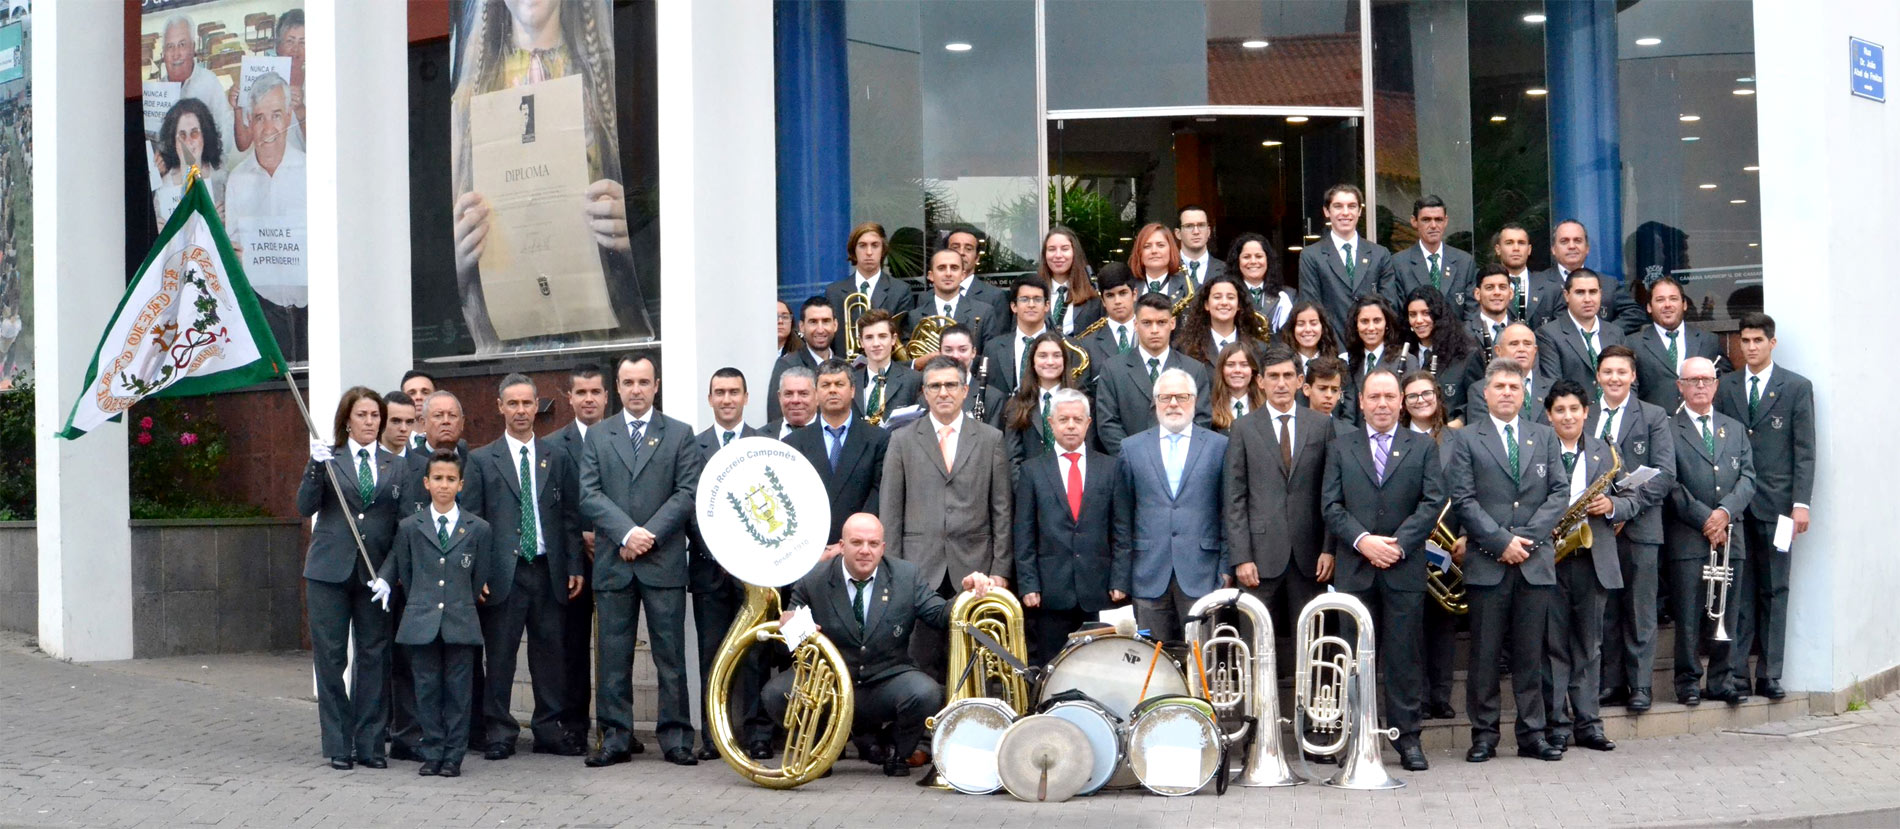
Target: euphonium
(1572, 532)
(818, 718)
(998, 615)
(1336, 692)
(1447, 585)
(1234, 672)
(855, 307)
(1719, 573)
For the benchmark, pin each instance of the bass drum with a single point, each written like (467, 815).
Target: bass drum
(1174, 745)
(1111, 670)
(963, 741)
(1104, 734)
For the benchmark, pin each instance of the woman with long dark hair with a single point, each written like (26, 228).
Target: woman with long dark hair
(1373, 343)
(1073, 301)
(1236, 387)
(1026, 414)
(1308, 333)
(341, 597)
(1261, 279)
(1424, 411)
(188, 137)
(1437, 342)
(1219, 314)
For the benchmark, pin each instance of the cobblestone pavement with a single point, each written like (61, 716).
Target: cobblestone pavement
(232, 741)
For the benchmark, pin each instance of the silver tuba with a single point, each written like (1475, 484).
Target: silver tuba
(1237, 677)
(1336, 694)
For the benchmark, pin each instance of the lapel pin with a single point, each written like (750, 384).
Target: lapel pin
(544, 463)
(653, 441)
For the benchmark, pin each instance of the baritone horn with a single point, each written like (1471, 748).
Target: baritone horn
(1446, 584)
(999, 616)
(1336, 694)
(1719, 574)
(1237, 677)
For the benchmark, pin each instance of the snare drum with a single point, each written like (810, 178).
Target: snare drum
(1104, 735)
(1111, 670)
(963, 743)
(1174, 745)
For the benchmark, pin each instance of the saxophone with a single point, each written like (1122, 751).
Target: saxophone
(1573, 529)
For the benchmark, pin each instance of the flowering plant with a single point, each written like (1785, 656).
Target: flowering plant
(177, 463)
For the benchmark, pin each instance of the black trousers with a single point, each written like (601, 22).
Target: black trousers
(403, 730)
(1440, 651)
(1165, 616)
(577, 662)
(713, 612)
(930, 646)
(1688, 597)
(619, 612)
(1629, 619)
(1049, 630)
(531, 608)
(444, 681)
(353, 719)
(1522, 610)
(1575, 643)
(1763, 615)
(896, 704)
(1398, 627)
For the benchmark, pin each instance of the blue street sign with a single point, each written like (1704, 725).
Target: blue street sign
(1867, 69)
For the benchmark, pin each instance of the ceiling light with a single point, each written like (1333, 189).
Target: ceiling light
(1497, 119)
(1751, 169)
(1649, 41)
(1128, 238)
(1253, 44)
(957, 46)
(1737, 201)
(1754, 244)
(1688, 138)
(1744, 80)
(1688, 119)
(1296, 119)
(1269, 143)
(1706, 186)
(1534, 18)
(1536, 91)
(1743, 92)
(1311, 237)
(1295, 248)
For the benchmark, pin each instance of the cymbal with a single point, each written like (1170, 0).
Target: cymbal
(1044, 758)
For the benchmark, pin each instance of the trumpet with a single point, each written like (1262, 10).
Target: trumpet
(1446, 585)
(1336, 695)
(856, 305)
(1719, 574)
(1237, 678)
(818, 718)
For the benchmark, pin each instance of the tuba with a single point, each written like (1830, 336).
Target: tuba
(818, 719)
(1236, 676)
(1447, 584)
(855, 307)
(999, 616)
(1336, 694)
(1572, 532)
(1719, 573)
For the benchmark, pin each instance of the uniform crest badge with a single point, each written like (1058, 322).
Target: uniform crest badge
(1735, 463)
(468, 560)
(1774, 421)
(1638, 447)
(1540, 470)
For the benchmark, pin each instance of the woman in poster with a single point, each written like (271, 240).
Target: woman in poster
(503, 44)
(189, 136)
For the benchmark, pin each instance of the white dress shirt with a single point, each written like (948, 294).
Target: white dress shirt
(255, 200)
(1292, 425)
(1579, 480)
(1199, 275)
(870, 282)
(1504, 440)
(528, 487)
(1682, 342)
(1615, 414)
(435, 518)
(851, 590)
(1391, 438)
(1340, 243)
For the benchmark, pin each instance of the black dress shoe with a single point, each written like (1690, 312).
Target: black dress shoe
(1481, 752)
(342, 763)
(1540, 750)
(681, 757)
(1595, 742)
(430, 768)
(604, 757)
(1441, 712)
(1412, 758)
(450, 768)
(1561, 741)
(398, 751)
(567, 747)
(1614, 696)
(759, 750)
(707, 753)
(372, 762)
(897, 768)
(635, 746)
(497, 751)
(1770, 688)
(1690, 697)
(1639, 700)
(1731, 695)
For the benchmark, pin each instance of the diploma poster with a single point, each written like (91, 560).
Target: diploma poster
(16, 210)
(540, 271)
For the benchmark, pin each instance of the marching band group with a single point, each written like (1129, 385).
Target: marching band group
(1533, 455)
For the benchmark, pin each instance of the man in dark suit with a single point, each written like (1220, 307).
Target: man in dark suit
(1641, 434)
(639, 473)
(417, 385)
(1339, 269)
(1567, 346)
(1569, 247)
(1381, 489)
(847, 452)
(1169, 540)
(797, 398)
(1125, 393)
(1275, 465)
(1715, 483)
(522, 487)
(870, 606)
(1009, 351)
(945, 498)
(1777, 407)
(1535, 297)
(865, 251)
(1430, 262)
(1518, 345)
(1575, 639)
(947, 299)
(405, 734)
(716, 594)
(1065, 503)
(1662, 348)
(587, 398)
(1193, 230)
(1508, 489)
(883, 385)
(1490, 308)
(965, 242)
(818, 325)
(1116, 336)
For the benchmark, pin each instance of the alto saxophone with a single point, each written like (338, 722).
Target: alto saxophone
(1573, 529)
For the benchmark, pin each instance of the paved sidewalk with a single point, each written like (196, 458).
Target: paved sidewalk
(232, 741)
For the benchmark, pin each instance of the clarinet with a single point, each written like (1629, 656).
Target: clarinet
(978, 387)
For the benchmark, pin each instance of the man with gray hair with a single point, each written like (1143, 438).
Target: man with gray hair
(528, 494)
(797, 395)
(1065, 503)
(264, 206)
(181, 66)
(1169, 541)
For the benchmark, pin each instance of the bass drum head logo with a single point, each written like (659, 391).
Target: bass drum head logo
(763, 511)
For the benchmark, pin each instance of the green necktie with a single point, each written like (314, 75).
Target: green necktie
(1590, 347)
(877, 393)
(1154, 369)
(1609, 420)
(857, 603)
(1239, 410)
(865, 289)
(1708, 437)
(1754, 395)
(1194, 271)
(1048, 438)
(1570, 462)
(1121, 339)
(1259, 296)
(1062, 306)
(1674, 361)
(1510, 449)
(365, 480)
(1156, 287)
(527, 508)
(1029, 353)
(1345, 253)
(1436, 273)
(442, 531)
(727, 438)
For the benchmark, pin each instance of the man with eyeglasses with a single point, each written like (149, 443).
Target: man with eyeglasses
(1194, 231)
(1124, 395)
(1715, 481)
(1029, 303)
(1169, 541)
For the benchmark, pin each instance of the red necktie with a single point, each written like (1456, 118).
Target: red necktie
(1075, 484)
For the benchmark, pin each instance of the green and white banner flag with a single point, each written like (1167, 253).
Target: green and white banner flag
(188, 324)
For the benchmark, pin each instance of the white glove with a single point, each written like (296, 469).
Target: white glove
(379, 592)
(320, 451)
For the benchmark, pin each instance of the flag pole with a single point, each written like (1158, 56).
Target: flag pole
(335, 484)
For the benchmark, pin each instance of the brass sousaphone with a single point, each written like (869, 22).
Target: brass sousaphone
(764, 514)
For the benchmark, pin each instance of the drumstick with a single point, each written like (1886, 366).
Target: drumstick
(1152, 662)
(1200, 668)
